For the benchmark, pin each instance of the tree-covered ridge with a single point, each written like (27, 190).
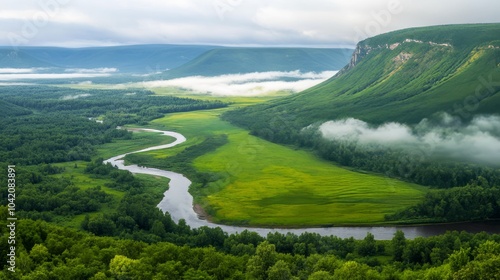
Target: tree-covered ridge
(127, 59)
(8, 110)
(457, 36)
(404, 83)
(223, 61)
(50, 252)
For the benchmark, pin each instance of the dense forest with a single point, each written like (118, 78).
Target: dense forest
(118, 107)
(62, 126)
(123, 235)
(50, 252)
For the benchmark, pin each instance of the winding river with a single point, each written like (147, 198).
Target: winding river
(179, 203)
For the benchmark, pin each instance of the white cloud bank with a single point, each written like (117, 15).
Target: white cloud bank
(228, 22)
(16, 70)
(15, 74)
(478, 141)
(251, 84)
(104, 70)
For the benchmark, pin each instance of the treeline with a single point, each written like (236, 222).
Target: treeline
(53, 137)
(41, 195)
(414, 166)
(470, 203)
(47, 251)
(118, 107)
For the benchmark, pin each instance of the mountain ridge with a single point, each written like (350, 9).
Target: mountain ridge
(126, 58)
(402, 76)
(241, 60)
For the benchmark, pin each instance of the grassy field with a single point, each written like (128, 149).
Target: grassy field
(264, 184)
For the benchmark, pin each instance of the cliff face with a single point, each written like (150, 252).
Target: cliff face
(364, 48)
(359, 53)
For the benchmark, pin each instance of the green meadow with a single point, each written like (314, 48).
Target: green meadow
(265, 184)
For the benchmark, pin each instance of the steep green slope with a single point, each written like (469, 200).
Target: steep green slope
(402, 76)
(247, 60)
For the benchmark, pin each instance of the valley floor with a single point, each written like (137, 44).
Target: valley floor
(264, 184)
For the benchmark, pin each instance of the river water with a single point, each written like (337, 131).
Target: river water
(179, 203)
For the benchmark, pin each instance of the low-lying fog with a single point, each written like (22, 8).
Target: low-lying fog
(251, 84)
(14, 74)
(477, 141)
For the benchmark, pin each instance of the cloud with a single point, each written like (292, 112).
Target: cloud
(15, 84)
(478, 141)
(251, 84)
(92, 70)
(16, 70)
(14, 74)
(76, 96)
(226, 22)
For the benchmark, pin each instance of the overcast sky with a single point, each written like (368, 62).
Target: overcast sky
(315, 23)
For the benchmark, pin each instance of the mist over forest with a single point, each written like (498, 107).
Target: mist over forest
(445, 137)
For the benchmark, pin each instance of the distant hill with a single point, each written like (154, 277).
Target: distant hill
(223, 61)
(9, 110)
(128, 59)
(402, 76)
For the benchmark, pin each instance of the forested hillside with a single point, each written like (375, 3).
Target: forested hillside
(402, 76)
(222, 61)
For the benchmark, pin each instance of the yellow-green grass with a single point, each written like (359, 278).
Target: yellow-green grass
(265, 184)
(275, 185)
(239, 101)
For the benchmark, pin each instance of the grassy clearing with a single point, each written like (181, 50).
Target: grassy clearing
(140, 140)
(271, 185)
(85, 181)
(76, 172)
(237, 101)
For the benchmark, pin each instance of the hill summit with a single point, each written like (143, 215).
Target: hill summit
(402, 76)
(222, 61)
